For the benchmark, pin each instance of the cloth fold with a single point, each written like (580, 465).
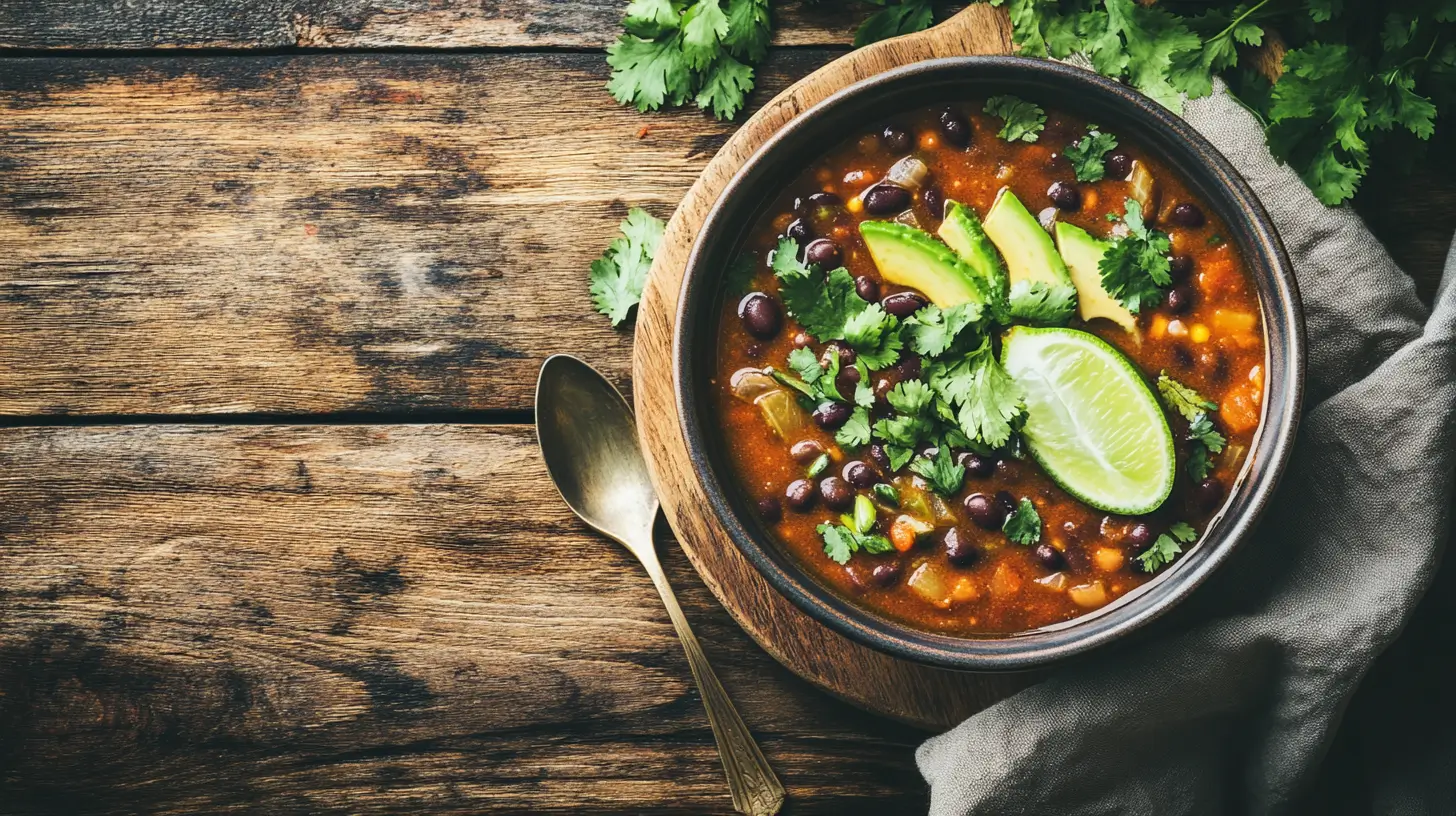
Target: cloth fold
(1235, 703)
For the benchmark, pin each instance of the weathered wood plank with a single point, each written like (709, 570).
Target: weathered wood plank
(317, 233)
(105, 24)
(351, 232)
(362, 619)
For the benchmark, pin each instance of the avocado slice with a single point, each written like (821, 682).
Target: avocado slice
(1028, 249)
(912, 257)
(962, 231)
(1083, 253)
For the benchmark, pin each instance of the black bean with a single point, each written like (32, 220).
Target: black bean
(802, 340)
(831, 415)
(879, 457)
(956, 129)
(1208, 494)
(1183, 356)
(985, 511)
(867, 288)
(800, 231)
(800, 494)
(836, 493)
(885, 199)
(1180, 267)
(959, 549)
(822, 252)
(1186, 215)
(760, 315)
(909, 367)
(806, 450)
(770, 509)
(1006, 502)
(1118, 165)
(896, 138)
(846, 381)
(1139, 537)
(1065, 196)
(885, 574)
(1180, 299)
(845, 353)
(860, 474)
(1049, 556)
(824, 200)
(934, 200)
(904, 304)
(976, 464)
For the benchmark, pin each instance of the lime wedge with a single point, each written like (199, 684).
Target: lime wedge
(1092, 423)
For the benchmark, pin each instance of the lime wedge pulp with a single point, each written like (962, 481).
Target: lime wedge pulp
(1092, 423)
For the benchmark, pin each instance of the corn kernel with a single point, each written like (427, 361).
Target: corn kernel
(929, 141)
(1177, 329)
(1107, 559)
(1198, 333)
(854, 205)
(1089, 199)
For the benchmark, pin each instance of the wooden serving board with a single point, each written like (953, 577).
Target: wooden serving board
(928, 697)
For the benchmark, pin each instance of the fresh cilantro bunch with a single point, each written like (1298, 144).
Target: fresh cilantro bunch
(618, 276)
(1167, 547)
(1357, 73)
(893, 20)
(1136, 268)
(1192, 406)
(703, 52)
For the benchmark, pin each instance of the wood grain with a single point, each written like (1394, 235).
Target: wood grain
(255, 24)
(896, 688)
(363, 619)
(351, 233)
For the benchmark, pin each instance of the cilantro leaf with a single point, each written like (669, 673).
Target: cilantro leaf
(840, 542)
(1201, 430)
(1024, 525)
(1199, 464)
(703, 25)
(618, 276)
(983, 396)
(1136, 267)
(855, 432)
(931, 331)
(829, 309)
(649, 18)
(1086, 155)
(725, 87)
(894, 20)
(648, 73)
(1022, 120)
(943, 474)
(748, 29)
(1152, 37)
(816, 382)
(1187, 402)
(911, 397)
(1167, 547)
(1039, 303)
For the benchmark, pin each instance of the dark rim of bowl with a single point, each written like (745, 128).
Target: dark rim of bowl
(1120, 109)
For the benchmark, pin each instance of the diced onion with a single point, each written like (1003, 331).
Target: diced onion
(1143, 189)
(908, 219)
(751, 383)
(1088, 596)
(908, 172)
(928, 583)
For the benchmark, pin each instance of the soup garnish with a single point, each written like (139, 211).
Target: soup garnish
(987, 368)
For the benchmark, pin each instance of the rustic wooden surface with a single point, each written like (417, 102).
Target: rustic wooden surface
(920, 695)
(298, 599)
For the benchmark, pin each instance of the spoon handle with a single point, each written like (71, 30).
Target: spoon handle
(755, 789)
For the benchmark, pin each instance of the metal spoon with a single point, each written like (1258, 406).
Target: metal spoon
(589, 441)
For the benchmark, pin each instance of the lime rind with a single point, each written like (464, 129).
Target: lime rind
(1092, 422)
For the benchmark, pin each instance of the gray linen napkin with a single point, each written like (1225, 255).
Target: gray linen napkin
(1232, 707)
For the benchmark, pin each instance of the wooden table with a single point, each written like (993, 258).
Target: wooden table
(275, 280)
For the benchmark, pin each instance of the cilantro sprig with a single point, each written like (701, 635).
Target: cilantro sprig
(1021, 120)
(1166, 547)
(1206, 441)
(942, 473)
(841, 542)
(1023, 526)
(675, 54)
(828, 308)
(1087, 153)
(1136, 268)
(978, 393)
(618, 276)
(1038, 303)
